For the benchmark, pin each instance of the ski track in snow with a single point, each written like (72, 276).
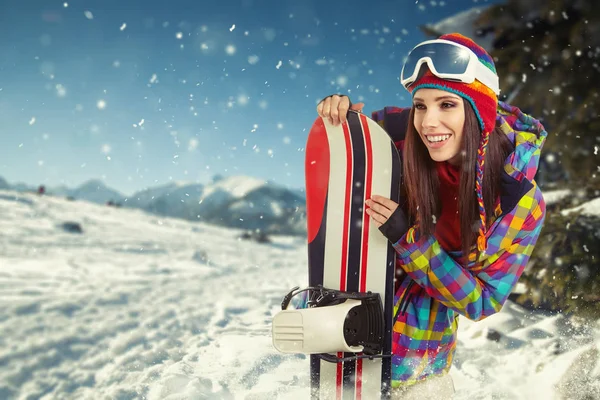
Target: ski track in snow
(140, 306)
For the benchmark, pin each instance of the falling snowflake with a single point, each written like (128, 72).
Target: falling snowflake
(61, 91)
(193, 144)
(242, 99)
(342, 80)
(230, 49)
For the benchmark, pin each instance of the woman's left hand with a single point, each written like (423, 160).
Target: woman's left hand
(380, 209)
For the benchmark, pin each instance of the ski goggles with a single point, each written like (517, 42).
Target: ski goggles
(450, 61)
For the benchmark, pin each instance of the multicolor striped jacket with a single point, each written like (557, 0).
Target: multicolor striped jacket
(436, 288)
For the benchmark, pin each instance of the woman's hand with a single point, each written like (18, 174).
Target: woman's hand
(380, 209)
(335, 108)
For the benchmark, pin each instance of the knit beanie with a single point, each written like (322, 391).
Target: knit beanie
(484, 102)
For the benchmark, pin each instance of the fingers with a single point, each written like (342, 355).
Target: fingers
(327, 110)
(320, 107)
(379, 209)
(334, 111)
(335, 108)
(387, 203)
(342, 109)
(377, 218)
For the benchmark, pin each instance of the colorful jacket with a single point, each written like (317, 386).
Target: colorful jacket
(436, 288)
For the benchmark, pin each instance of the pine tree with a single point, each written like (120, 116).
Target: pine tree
(563, 273)
(548, 57)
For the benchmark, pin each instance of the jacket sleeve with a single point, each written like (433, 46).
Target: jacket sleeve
(480, 290)
(394, 120)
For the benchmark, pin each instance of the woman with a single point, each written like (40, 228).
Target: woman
(473, 207)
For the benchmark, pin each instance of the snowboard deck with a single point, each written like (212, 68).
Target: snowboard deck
(344, 166)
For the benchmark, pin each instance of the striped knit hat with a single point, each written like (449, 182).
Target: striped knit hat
(484, 102)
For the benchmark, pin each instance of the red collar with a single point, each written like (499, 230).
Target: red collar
(448, 173)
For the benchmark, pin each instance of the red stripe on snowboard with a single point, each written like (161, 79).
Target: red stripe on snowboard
(317, 177)
(366, 218)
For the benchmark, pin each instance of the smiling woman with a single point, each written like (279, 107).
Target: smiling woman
(474, 209)
(437, 115)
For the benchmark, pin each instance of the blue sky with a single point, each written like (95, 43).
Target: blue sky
(141, 92)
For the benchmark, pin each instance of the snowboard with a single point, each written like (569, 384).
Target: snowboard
(344, 166)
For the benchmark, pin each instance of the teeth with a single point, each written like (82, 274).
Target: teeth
(438, 138)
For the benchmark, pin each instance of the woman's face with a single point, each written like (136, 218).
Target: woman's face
(439, 119)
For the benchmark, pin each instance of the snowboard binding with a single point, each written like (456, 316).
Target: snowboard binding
(334, 321)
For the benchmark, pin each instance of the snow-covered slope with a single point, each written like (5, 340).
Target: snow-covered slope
(140, 306)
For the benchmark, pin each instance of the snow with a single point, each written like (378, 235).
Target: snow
(237, 186)
(463, 23)
(554, 196)
(591, 207)
(140, 306)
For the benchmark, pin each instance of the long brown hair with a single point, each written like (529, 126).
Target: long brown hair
(422, 184)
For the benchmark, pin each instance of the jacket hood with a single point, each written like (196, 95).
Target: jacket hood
(528, 136)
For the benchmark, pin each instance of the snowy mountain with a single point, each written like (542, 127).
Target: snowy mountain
(239, 201)
(140, 306)
(145, 198)
(463, 23)
(95, 191)
(21, 187)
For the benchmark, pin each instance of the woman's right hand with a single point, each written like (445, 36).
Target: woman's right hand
(335, 108)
